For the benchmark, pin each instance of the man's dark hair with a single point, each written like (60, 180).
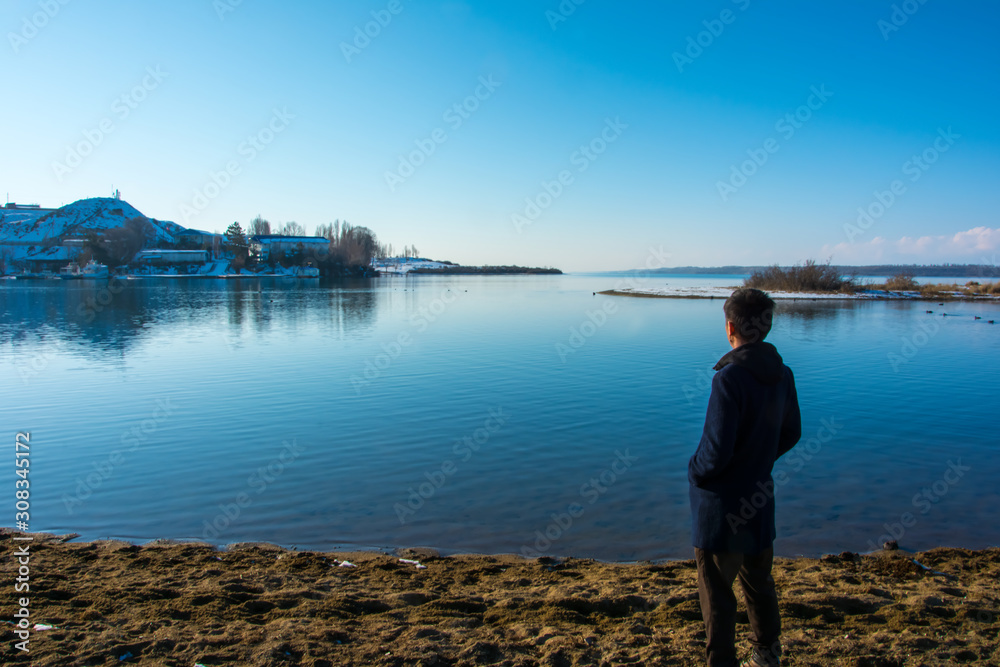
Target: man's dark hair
(751, 310)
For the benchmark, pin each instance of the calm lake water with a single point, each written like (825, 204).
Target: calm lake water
(473, 414)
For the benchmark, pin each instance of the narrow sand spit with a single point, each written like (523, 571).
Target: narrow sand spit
(668, 292)
(114, 603)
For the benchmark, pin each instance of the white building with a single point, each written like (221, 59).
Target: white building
(263, 245)
(194, 238)
(171, 257)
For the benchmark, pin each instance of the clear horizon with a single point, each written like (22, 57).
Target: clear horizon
(576, 134)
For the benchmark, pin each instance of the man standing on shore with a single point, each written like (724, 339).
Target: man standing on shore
(753, 418)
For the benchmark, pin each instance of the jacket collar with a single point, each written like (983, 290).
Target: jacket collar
(761, 359)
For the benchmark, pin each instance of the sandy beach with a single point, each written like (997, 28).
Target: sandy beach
(113, 603)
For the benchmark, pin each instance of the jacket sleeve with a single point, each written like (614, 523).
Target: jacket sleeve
(719, 436)
(791, 427)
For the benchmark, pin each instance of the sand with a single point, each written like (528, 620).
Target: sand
(114, 603)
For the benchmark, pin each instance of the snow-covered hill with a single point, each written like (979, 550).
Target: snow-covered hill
(20, 227)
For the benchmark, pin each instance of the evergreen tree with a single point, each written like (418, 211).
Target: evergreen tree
(236, 243)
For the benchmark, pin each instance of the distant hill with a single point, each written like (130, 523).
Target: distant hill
(457, 270)
(41, 227)
(915, 270)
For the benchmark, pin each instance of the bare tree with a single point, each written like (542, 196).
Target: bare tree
(350, 247)
(119, 246)
(292, 228)
(259, 227)
(330, 231)
(361, 246)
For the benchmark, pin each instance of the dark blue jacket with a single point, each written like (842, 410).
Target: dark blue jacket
(753, 418)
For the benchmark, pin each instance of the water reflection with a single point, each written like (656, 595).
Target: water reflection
(103, 319)
(813, 321)
(249, 364)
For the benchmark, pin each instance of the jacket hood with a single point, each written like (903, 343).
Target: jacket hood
(761, 359)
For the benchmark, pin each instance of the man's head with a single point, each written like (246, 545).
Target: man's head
(748, 316)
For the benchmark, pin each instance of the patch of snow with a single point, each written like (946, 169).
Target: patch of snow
(724, 292)
(403, 265)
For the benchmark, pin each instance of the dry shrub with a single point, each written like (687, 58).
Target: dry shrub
(809, 277)
(975, 287)
(901, 282)
(971, 288)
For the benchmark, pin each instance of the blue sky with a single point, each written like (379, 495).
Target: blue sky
(667, 124)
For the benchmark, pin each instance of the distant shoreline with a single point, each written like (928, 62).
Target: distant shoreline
(724, 292)
(487, 271)
(982, 271)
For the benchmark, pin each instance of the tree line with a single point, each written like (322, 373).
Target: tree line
(349, 251)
